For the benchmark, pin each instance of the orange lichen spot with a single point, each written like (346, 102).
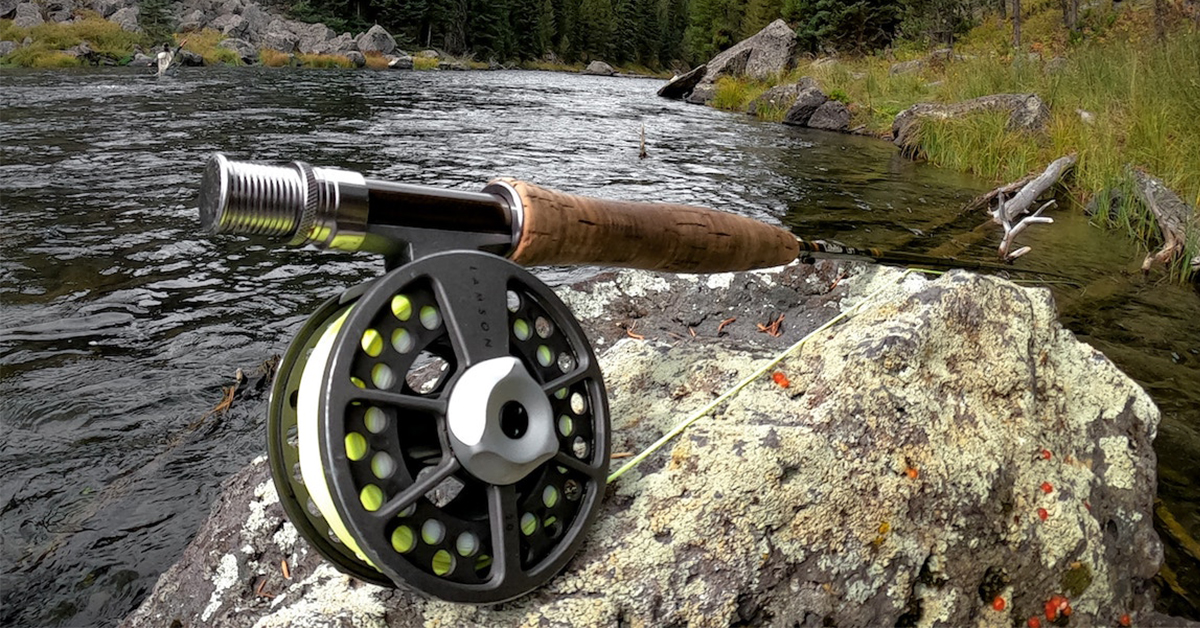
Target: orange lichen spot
(1034, 622)
(1047, 487)
(1057, 605)
(1046, 455)
(912, 472)
(1043, 514)
(1125, 620)
(998, 603)
(781, 379)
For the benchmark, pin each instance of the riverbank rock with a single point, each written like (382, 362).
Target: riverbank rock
(806, 104)
(781, 97)
(244, 49)
(949, 444)
(376, 39)
(401, 63)
(767, 53)
(831, 116)
(8, 47)
(1027, 112)
(28, 15)
(8, 9)
(683, 84)
(141, 60)
(599, 68)
(357, 58)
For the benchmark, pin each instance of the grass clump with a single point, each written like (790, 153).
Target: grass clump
(324, 61)
(50, 38)
(733, 94)
(206, 43)
(376, 61)
(274, 58)
(425, 63)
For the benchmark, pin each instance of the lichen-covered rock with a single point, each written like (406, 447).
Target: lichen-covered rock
(377, 39)
(1026, 112)
(312, 36)
(401, 63)
(194, 21)
(356, 58)
(599, 68)
(8, 47)
(832, 115)
(949, 443)
(28, 15)
(8, 9)
(127, 18)
(231, 25)
(340, 45)
(278, 37)
(106, 8)
(683, 84)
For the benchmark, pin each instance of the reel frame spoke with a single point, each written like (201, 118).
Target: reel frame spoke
(422, 485)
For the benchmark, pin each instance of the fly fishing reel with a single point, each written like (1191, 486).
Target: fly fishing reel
(443, 427)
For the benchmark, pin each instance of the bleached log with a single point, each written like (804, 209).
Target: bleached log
(1008, 211)
(1173, 215)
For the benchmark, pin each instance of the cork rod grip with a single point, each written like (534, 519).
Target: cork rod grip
(563, 229)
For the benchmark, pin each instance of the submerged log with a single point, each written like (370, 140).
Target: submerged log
(1174, 218)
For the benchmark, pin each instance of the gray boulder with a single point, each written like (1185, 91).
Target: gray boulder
(807, 102)
(768, 53)
(377, 39)
(83, 52)
(702, 93)
(106, 8)
(401, 63)
(8, 9)
(232, 7)
(28, 15)
(340, 45)
(258, 22)
(127, 18)
(356, 58)
(898, 479)
(831, 116)
(1027, 112)
(683, 84)
(312, 36)
(194, 21)
(231, 25)
(8, 47)
(780, 97)
(599, 68)
(141, 60)
(429, 54)
(278, 37)
(244, 49)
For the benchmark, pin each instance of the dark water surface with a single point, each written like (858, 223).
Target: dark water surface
(120, 322)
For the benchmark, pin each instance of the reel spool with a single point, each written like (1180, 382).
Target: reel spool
(443, 428)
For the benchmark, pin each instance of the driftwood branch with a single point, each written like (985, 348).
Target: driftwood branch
(1173, 216)
(1009, 211)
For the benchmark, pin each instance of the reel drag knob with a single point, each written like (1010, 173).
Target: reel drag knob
(447, 431)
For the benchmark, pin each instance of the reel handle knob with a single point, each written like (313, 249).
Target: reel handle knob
(563, 229)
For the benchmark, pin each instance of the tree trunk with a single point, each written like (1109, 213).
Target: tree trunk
(1017, 24)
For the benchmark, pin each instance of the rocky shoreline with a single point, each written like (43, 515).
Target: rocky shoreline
(950, 455)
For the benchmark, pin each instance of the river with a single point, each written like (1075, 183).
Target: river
(120, 322)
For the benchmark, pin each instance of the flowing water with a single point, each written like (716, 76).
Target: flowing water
(120, 322)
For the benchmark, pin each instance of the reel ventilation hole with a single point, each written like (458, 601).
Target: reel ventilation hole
(447, 431)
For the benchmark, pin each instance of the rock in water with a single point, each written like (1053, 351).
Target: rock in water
(831, 116)
(682, 85)
(949, 443)
(599, 68)
(806, 104)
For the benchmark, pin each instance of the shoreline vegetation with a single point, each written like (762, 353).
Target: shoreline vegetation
(1121, 97)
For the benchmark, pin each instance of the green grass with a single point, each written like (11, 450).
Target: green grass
(206, 43)
(104, 37)
(735, 94)
(424, 63)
